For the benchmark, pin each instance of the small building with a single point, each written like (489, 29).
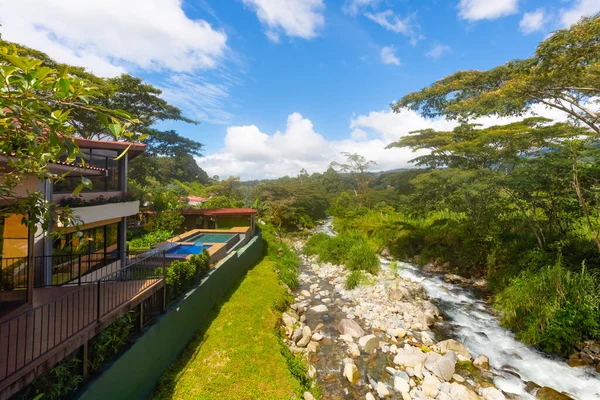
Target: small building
(197, 200)
(219, 218)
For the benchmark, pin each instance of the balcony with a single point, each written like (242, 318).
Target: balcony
(92, 214)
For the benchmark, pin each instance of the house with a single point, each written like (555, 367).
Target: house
(70, 279)
(219, 218)
(197, 200)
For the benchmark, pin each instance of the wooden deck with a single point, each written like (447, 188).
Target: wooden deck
(60, 320)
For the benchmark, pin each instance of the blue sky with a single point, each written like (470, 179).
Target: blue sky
(281, 85)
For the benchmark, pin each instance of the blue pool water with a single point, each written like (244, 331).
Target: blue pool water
(188, 249)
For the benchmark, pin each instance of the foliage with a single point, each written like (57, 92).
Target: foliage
(353, 279)
(362, 258)
(349, 248)
(284, 259)
(56, 384)
(553, 308)
(563, 74)
(79, 201)
(110, 341)
(357, 167)
(149, 239)
(168, 220)
(37, 104)
(179, 275)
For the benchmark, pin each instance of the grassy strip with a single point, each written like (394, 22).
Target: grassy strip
(237, 355)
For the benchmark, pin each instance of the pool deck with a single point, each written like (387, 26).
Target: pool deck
(216, 251)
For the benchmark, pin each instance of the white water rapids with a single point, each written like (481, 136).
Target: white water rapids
(481, 333)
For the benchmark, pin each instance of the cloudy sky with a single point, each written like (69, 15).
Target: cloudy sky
(281, 85)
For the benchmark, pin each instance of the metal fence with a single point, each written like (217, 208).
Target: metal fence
(33, 333)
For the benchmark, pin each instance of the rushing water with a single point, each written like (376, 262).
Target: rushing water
(513, 362)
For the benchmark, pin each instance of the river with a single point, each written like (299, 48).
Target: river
(471, 322)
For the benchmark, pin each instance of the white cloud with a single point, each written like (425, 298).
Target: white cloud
(296, 18)
(437, 51)
(112, 36)
(475, 10)
(391, 22)
(579, 8)
(253, 154)
(352, 7)
(388, 55)
(532, 21)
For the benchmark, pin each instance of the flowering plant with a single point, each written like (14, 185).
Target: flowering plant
(79, 201)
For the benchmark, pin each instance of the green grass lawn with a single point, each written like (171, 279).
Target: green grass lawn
(237, 355)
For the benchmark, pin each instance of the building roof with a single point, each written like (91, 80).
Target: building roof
(135, 149)
(198, 198)
(219, 211)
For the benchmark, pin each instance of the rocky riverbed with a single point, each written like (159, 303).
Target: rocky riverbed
(387, 339)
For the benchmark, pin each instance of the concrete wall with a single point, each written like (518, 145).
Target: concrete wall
(135, 374)
(92, 214)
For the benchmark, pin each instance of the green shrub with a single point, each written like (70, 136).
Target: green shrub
(285, 259)
(150, 239)
(316, 243)
(180, 274)
(110, 340)
(168, 220)
(552, 308)
(362, 258)
(353, 279)
(56, 384)
(200, 262)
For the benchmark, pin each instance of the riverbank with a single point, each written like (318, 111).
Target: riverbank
(386, 338)
(237, 355)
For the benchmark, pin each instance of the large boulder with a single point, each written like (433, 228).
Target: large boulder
(491, 393)
(409, 356)
(547, 393)
(482, 362)
(441, 366)
(452, 345)
(350, 327)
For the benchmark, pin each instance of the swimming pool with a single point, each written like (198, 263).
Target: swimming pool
(211, 238)
(188, 249)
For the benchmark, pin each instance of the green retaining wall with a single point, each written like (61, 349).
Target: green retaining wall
(135, 373)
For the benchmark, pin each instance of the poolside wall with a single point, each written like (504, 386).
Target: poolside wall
(135, 373)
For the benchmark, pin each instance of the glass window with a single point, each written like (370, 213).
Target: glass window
(14, 240)
(108, 181)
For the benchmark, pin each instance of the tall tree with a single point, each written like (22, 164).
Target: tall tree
(357, 166)
(563, 74)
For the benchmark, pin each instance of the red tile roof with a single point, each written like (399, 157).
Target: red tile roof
(197, 198)
(219, 211)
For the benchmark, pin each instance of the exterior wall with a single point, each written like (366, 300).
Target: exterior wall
(93, 214)
(227, 222)
(136, 372)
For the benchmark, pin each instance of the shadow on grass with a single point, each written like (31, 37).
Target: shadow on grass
(165, 388)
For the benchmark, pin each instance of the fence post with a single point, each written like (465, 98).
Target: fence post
(164, 270)
(79, 271)
(98, 303)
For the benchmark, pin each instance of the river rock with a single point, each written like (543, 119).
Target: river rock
(305, 293)
(482, 362)
(351, 373)
(401, 385)
(289, 319)
(369, 343)
(306, 335)
(350, 327)
(409, 356)
(321, 308)
(458, 378)
(426, 339)
(369, 396)
(312, 347)
(317, 337)
(296, 335)
(547, 393)
(460, 392)
(311, 372)
(308, 396)
(491, 393)
(431, 386)
(382, 390)
(453, 345)
(354, 350)
(577, 362)
(441, 366)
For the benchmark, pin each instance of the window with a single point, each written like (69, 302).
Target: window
(14, 240)
(101, 240)
(99, 158)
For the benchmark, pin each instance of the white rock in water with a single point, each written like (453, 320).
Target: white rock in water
(453, 345)
(321, 308)
(491, 393)
(406, 396)
(288, 319)
(350, 327)
(317, 336)
(431, 386)
(382, 390)
(354, 350)
(306, 334)
(311, 372)
(458, 378)
(351, 373)
(409, 356)
(442, 366)
(369, 396)
(482, 362)
(400, 385)
(401, 333)
(369, 343)
(305, 293)
(347, 338)
(426, 339)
